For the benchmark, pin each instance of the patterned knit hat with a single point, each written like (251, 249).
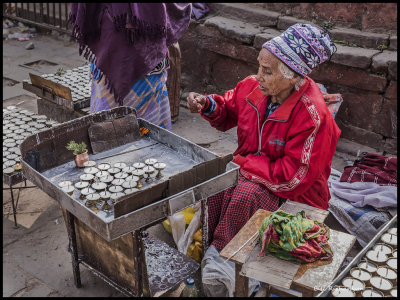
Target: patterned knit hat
(302, 47)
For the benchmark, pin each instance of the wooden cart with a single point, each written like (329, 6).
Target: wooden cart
(114, 245)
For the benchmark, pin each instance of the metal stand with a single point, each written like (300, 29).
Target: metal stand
(15, 203)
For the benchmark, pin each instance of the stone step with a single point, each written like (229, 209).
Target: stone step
(227, 29)
(265, 18)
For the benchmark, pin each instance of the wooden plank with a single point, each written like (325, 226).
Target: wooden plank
(241, 283)
(306, 278)
(301, 277)
(173, 80)
(319, 274)
(270, 269)
(114, 259)
(315, 214)
(55, 88)
(242, 236)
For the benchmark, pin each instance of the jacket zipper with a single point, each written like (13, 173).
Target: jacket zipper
(262, 127)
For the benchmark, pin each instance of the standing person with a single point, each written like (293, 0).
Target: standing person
(286, 134)
(127, 45)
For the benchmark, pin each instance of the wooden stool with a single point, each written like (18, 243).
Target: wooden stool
(307, 279)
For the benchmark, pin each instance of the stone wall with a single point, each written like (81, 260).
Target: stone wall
(374, 17)
(222, 49)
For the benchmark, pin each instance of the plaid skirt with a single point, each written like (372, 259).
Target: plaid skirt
(229, 210)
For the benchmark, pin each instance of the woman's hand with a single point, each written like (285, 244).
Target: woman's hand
(195, 102)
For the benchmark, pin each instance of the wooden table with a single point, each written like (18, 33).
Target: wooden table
(287, 276)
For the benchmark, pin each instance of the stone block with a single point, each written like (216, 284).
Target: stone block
(227, 72)
(379, 17)
(348, 76)
(265, 36)
(393, 70)
(215, 42)
(285, 22)
(360, 135)
(382, 61)
(195, 61)
(244, 12)
(358, 37)
(357, 105)
(385, 122)
(390, 146)
(247, 53)
(391, 91)
(393, 42)
(353, 56)
(238, 30)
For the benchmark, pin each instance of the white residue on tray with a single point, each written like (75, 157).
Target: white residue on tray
(175, 163)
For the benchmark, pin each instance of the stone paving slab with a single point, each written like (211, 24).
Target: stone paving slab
(241, 31)
(13, 278)
(243, 11)
(385, 62)
(353, 56)
(265, 36)
(360, 38)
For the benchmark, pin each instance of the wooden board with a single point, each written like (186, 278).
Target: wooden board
(52, 87)
(242, 236)
(306, 277)
(254, 224)
(314, 213)
(114, 259)
(319, 274)
(269, 269)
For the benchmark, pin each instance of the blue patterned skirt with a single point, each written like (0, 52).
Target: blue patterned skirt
(148, 96)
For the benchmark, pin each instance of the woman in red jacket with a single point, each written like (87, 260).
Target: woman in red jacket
(286, 134)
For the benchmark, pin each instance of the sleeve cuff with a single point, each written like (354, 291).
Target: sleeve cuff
(210, 106)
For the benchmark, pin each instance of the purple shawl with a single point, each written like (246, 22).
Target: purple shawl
(127, 40)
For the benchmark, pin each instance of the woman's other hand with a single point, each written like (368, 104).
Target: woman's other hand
(195, 102)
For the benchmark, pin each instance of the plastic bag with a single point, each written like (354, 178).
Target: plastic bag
(185, 241)
(183, 237)
(188, 213)
(178, 225)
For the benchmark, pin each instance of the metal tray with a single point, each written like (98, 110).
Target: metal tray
(357, 258)
(192, 173)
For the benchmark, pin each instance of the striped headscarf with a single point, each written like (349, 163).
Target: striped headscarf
(302, 47)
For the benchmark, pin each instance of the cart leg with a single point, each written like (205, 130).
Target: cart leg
(140, 269)
(74, 254)
(14, 207)
(241, 283)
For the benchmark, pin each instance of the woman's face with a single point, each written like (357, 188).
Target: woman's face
(270, 78)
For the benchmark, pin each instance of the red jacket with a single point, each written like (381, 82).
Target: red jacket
(292, 156)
